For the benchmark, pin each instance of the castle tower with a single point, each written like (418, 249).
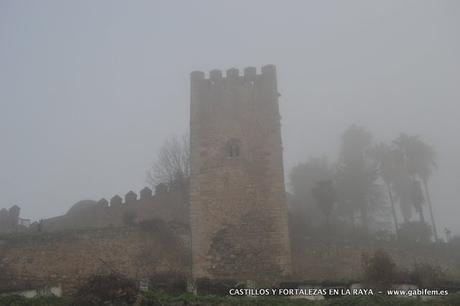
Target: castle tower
(238, 206)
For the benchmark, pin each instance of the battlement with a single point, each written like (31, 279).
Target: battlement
(233, 74)
(166, 203)
(146, 194)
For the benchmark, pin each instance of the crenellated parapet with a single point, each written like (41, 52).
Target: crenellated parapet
(145, 195)
(103, 203)
(167, 204)
(218, 100)
(115, 201)
(233, 77)
(130, 197)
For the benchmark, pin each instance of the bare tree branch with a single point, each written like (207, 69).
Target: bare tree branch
(172, 163)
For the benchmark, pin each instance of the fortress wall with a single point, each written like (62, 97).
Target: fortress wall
(166, 204)
(321, 261)
(70, 258)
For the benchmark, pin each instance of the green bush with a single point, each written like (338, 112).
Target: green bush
(111, 289)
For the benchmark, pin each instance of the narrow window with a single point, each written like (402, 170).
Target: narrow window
(236, 150)
(233, 148)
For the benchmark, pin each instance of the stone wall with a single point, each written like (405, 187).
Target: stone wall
(69, 258)
(72, 257)
(334, 261)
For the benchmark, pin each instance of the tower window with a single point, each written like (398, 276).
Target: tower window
(233, 148)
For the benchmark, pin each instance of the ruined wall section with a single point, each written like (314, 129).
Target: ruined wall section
(238, 207)
(10, 220)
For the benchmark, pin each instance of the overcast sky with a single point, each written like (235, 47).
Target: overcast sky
(89, 90)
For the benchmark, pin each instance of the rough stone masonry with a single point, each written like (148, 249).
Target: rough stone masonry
(238, 205)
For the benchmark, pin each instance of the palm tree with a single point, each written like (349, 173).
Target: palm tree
(424, 164)
(421, 161)
(402, 184)
(417, 198)
(384, 156)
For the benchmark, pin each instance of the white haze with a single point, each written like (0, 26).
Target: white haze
(89, 90)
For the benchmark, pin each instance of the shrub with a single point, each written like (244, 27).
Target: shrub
(426, 275)
(379, 269)
(111, 289)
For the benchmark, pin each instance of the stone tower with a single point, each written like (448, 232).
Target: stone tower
(238, 206)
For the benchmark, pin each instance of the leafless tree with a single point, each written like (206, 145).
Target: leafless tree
(172, 163)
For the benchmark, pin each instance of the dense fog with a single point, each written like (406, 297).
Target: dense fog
(90, 90)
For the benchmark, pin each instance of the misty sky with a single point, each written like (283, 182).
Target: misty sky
(89, 90)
